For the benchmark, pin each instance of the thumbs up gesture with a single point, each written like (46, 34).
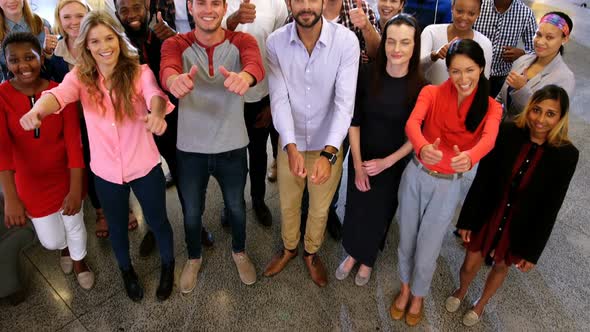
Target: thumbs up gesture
(430, 154)
(162, 29)
(183, 83)
(358, 17)
(244, 15)
(237, 83)
(461, 162)
(50, 42)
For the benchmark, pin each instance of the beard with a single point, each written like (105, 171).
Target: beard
(313, 22)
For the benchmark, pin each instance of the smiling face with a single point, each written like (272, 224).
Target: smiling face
(70, 17)
(389, 8)
(548, 39)
(464, 73)
(132, 14)
(306, 13)
(12, 8)
(465, 13)
(543, 117)
(103, 44)
(207, 14)
(24, 62)
(399, 45)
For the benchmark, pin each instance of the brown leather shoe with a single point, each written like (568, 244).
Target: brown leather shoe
(317, 270)
(278, 262)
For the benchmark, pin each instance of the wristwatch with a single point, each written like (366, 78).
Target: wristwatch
(331, 156)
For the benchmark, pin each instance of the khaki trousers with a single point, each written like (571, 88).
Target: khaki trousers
(290, 192)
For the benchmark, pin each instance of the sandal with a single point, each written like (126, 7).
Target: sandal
(132, 221)
(102, 228)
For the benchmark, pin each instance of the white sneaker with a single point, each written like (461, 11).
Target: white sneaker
(188, 277)
(245, 267)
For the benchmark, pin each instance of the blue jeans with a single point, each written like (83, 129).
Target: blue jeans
(150, 191)
(230, 169)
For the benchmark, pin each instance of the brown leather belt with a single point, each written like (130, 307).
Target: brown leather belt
(435, 173)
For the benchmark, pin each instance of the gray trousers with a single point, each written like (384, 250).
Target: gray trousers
(426, 208)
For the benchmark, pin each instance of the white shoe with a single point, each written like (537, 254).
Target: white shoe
(188, 277)
(245, 267)
(86, 279)
(359, 280)
(341, 273)
(452, 303)
(470, 318)
(66, 263)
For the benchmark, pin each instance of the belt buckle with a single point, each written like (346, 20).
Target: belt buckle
(432, 173)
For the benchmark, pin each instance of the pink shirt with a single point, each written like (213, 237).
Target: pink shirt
(120, 151)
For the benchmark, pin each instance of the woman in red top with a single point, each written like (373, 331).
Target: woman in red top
(41, 172)
(451, 128)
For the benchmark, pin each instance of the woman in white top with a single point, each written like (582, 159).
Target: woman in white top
(436, 39)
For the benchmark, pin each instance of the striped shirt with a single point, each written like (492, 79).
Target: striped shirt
(506, 29)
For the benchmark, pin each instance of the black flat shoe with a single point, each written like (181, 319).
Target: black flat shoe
(166, 282)
(148, 244)
(132, 286)
(262, 212)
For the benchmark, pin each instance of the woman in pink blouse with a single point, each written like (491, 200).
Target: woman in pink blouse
(123, 106)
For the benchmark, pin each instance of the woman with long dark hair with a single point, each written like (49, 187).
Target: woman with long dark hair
(452, 126)
(518, 190)
(378, 143)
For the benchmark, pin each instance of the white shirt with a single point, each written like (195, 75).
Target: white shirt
(270, 15)
(181, 17)
(433, 37)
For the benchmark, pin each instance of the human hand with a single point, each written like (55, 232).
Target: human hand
(461, 162)
(361, 179)
(358, 17)
(264, 118)
(72, 204)
(430, 154)
(441, 53)
(50, 42)
(465, 235)
(524, 266)
(162, 29)
(375, 166)
(510, 54)
(244, 15)
(321, 171)
(296, 161)
(516, 80)
(155, 123)
(235, 82)
(14, 213)
(31, 120)
(184, 83)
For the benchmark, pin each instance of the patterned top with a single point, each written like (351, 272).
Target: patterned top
(506, 29)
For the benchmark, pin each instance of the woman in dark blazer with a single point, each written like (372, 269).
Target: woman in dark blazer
(514, 200)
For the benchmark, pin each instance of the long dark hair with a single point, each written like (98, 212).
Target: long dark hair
(415, 76)
(479, 106)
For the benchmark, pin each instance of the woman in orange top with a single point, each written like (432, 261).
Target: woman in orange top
(451, 128)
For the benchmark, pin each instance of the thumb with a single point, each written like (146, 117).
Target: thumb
(456, 149)
(159, 17)
(436, 143)
(47, 32)
(359, 4)
(145, 118)
(246, 1)
(193, 72)
(224, 71)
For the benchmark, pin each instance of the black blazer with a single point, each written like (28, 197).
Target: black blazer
(541, 200)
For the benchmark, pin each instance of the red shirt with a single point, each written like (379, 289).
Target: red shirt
(437, 114)
(42, 165)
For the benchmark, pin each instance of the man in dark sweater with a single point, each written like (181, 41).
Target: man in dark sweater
(148, 39)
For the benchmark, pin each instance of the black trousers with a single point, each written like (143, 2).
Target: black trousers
(257, 159)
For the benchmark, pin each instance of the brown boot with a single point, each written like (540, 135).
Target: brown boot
(317, 270)
(278, 262)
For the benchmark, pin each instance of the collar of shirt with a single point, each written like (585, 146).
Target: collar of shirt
(19, 24)
(325, 37)
(62, 51)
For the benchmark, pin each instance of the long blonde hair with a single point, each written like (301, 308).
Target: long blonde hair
(33, 20)
(558, 136)
(57, 27)
(125, 73)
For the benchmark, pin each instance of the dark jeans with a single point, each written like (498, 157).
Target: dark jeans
(150, 191)
(230, 170)
(257, 147)
(496, 83)
(274, 140)
(167, 143)
(89, 174)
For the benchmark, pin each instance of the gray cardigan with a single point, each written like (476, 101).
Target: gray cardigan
(556, 72)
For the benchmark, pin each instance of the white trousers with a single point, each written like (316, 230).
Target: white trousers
(56, 232)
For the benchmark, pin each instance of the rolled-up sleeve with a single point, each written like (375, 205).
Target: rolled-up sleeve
(150, 88)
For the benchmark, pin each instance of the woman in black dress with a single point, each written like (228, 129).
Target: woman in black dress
(386, 92)
(514, 200)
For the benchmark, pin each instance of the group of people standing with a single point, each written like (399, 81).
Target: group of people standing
(335, 76)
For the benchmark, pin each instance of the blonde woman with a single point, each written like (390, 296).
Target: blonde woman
(114, 91)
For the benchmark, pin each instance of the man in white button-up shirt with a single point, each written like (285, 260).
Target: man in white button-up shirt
(313, 66)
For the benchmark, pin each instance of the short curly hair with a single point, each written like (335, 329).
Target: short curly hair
(21, 38)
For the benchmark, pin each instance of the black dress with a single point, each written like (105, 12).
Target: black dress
(381, 116)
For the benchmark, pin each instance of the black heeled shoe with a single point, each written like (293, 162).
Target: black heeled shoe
(166, 282)
(132, 285)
